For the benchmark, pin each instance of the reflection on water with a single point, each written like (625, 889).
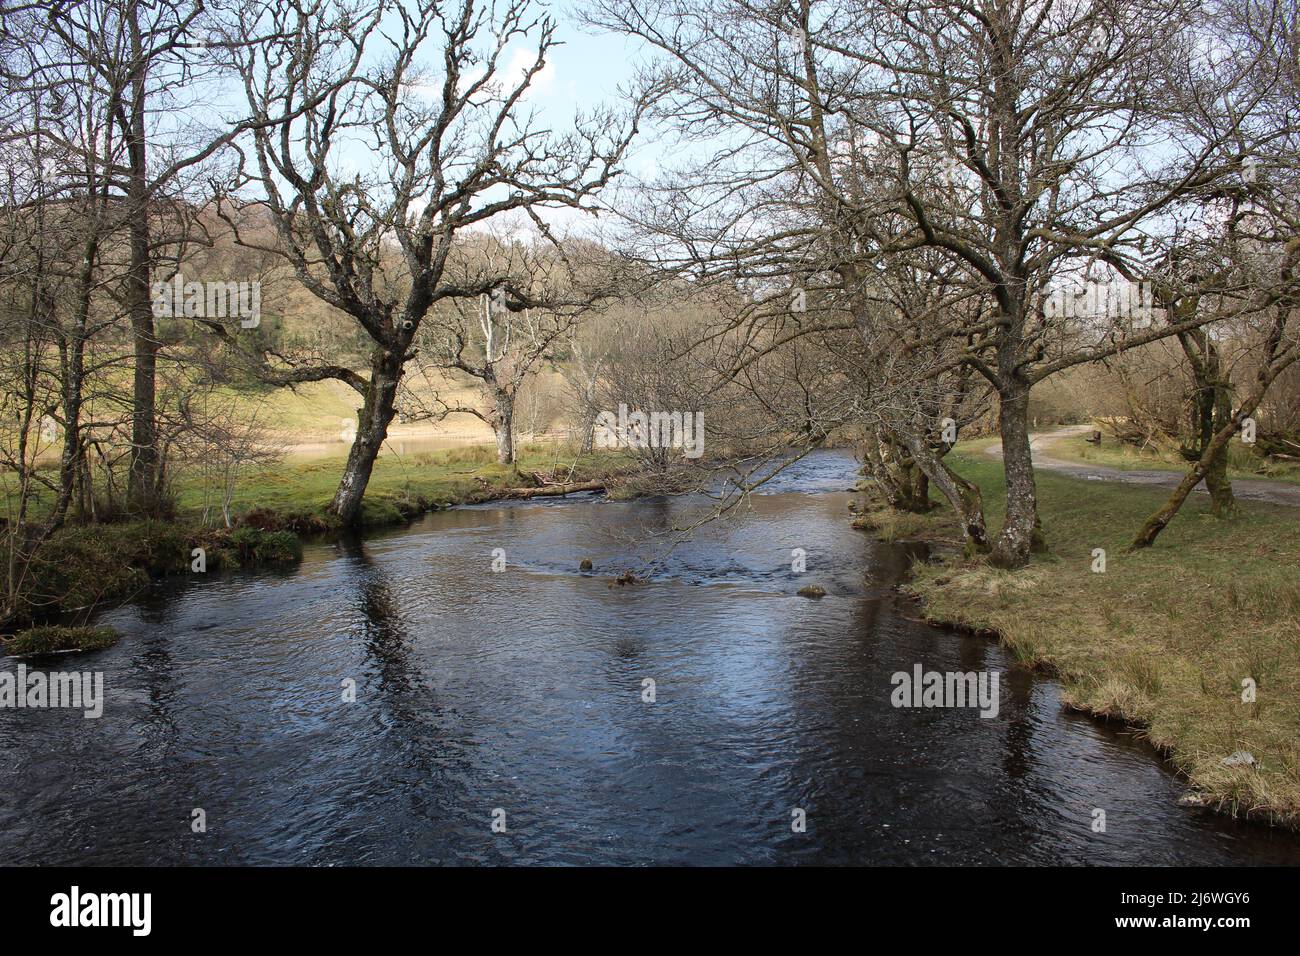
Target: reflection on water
(523, 691)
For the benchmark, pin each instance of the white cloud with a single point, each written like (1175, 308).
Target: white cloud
(508, 76)
(520, 61)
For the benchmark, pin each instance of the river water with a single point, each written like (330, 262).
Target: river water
(521, 692)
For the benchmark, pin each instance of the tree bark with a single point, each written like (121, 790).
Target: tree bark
(550, 491)
(965, 498)
(143, 479)
(921, 487)
(70, 460)
(1020, 533)
(372, 428)
(1222, 501)
(1213, 409)
(73, 359)
(1146, 536)
(890, 464)
(503, 425)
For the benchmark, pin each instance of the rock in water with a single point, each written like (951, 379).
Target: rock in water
(585, 565)
(812, 591)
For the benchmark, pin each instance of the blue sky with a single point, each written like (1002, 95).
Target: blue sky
(584, 71)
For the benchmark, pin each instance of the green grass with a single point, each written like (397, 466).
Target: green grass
(301, 487)
(1164, 637)
(85, 565)
(315, 409)
(255, 546)
(400, 485)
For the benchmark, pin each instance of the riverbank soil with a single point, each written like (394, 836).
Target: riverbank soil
(1195, 641)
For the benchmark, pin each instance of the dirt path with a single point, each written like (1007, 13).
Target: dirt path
(1248, 489)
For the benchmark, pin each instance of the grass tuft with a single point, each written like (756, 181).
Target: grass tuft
(48, 640)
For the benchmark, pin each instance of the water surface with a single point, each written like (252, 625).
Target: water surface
(523, 690)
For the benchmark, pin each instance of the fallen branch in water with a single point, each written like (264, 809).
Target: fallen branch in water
(557, 490)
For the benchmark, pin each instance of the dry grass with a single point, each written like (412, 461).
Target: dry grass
(889, 525)
(1164, 638)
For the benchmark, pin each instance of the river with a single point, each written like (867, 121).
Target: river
(519, 696)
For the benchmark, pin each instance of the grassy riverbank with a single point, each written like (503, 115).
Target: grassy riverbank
(85, 565)
(37, 641)
(1163, 638)
(298, 490)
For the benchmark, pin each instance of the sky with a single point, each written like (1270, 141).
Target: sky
(584, 71)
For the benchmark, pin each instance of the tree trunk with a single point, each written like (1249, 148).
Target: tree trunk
(910, 491)
(503, 425)
(587, 421)
(906, 498)
(1212, 411)
(372, 428)
(965, 498)
(549, 491)
(73, 360)
(70, 461)
(1222, 501)
(921, 487)
(143, 480)
(1146, 536)
(1021, 533)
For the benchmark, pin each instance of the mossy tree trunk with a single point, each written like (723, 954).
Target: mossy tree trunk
(1211, 411)
(1021, 533)
(964, 497)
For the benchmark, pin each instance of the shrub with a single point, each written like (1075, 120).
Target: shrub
(254, 546)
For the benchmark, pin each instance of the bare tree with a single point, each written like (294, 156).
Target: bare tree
(846, 130)
(499, 347)
(220, 441)
(1258, 280)
(453, 146)
(144, 59)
